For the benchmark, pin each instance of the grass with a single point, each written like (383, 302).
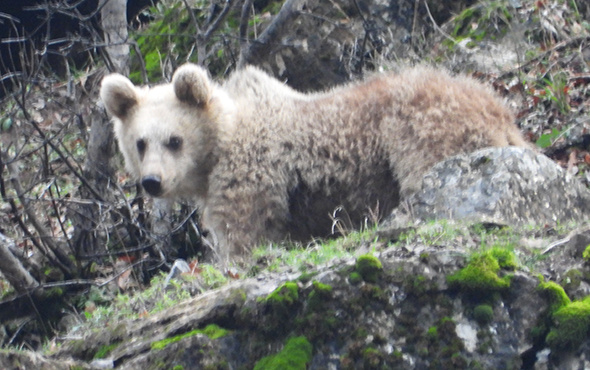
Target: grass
(317, 253)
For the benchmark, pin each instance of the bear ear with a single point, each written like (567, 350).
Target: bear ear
(191, 84)
(118, 95)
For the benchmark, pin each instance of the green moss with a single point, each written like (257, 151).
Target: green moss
(372, 358)
(483, 314)
(572, 279)
(212, 331)
(586, 254)
(432, 333)
(286, 294)
(505, 257)
(354, 278)
(369, 267)
(320, 294)
(306, 277)
(212, 277)
(323, 289)
(480, 276)
(571, 326)
(105, 350)
(295, 355)
(557, 296)
(416, 284)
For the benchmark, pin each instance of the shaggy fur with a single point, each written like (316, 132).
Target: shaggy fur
(267, 163)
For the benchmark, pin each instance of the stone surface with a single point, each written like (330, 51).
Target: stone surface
(506, 186)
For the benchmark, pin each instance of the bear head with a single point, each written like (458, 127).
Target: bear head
(168, 134)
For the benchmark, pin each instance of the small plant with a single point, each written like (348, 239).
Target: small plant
(369, 268)
(571, 325)
(488, 19)
(556, 90)
(483, 314)
(212, 331)
(295, 355)
(557, 296)
(480, 275)
(547, 139)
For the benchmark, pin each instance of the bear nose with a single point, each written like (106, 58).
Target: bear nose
(152, 184)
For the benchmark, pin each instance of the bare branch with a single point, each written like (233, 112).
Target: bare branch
(205, 36)
(279, 26)
(13, 270)
(62, 260)
(244, 17)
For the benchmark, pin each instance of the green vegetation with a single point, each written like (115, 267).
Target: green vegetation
(435, 232)
(557, 296)
(483, 314)
(126, 306)
(286, 294)
(295, 355)
(481, 273)
(586, 254)
(567, 323)
(105, 350)
(354, 278)
(571, 325)
(369, 268)
(432, 333)
(487, 20)
(212, 331)
(171, 31)
(320, 294)
(317, 253)
(547, 139)
(211, 277)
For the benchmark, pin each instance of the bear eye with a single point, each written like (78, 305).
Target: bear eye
(174, 143)
(140, 146)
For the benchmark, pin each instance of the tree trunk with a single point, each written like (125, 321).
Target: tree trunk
(88, 238)
(114, 25)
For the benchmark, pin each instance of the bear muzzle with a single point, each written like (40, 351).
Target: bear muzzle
(152, 184)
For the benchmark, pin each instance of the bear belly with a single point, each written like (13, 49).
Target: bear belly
(313, 210)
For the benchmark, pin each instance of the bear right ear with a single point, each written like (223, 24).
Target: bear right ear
(118, 95)
(191, 84)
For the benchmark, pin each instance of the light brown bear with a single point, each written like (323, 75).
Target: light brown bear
(268, 163)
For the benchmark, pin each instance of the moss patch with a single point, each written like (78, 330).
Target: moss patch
(284, 296)
(369, 268)
(295, 355)
(212, 331)
(483, 314)
(571, 325)
(105, 350)
(480, 276)
(354, 278)
(557, 296)
(320, 294)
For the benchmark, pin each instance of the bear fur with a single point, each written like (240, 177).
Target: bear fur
(267, 163)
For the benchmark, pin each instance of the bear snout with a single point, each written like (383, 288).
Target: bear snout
(152, 184)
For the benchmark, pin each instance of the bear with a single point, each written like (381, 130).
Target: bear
(267, 163)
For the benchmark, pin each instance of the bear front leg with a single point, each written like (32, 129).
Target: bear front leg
(242, 220)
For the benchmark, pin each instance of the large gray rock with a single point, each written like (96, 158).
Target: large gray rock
(509, 186)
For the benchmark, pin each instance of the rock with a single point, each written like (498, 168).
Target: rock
(332, 42)
(506, 186)
(404, 318)
(19, 359)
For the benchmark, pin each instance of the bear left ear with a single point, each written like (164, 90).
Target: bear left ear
(118, 95)
(191, 84)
